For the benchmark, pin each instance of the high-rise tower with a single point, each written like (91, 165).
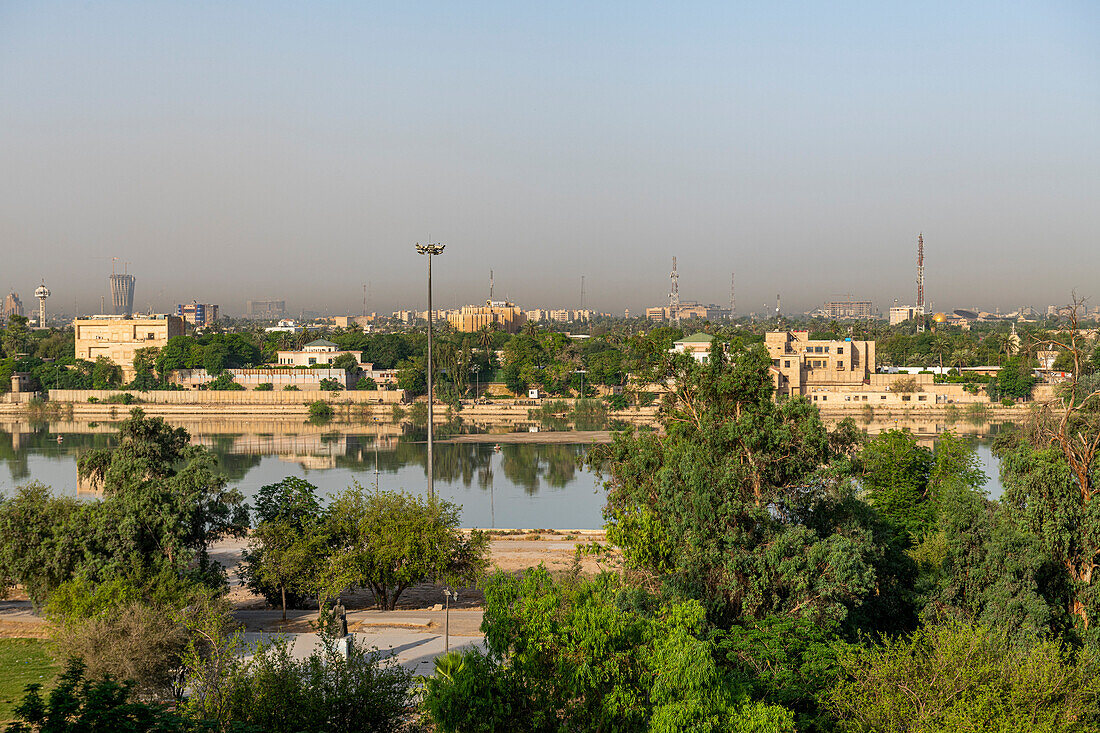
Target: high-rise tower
(42, 292)
(122, 294)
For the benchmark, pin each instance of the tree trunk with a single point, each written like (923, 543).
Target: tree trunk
(282, 590)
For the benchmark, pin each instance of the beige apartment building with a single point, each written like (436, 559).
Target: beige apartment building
(473, 318)
(118, 337)
(800, 364)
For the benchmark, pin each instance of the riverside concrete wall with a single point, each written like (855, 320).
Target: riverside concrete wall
(233, 397)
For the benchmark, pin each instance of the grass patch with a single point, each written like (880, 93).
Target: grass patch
(22, 662)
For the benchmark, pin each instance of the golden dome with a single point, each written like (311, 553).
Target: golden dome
(940, 318)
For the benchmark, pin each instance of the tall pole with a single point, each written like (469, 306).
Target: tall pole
(430, 250)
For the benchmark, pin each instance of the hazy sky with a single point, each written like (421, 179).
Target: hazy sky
(235, 150)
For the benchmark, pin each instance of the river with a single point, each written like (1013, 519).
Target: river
(529, 485)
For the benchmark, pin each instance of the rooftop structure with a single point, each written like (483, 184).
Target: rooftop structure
(42, 292)
(320, 351)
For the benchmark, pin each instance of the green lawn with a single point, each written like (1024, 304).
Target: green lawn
(22, 662)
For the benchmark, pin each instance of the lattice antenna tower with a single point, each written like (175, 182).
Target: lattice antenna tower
(674, 294)
(733, 301)
(490, 286)
(920, 282)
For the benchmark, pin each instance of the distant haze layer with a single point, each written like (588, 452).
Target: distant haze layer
(297, 151)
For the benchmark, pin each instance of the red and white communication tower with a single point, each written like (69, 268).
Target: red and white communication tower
(920, 283)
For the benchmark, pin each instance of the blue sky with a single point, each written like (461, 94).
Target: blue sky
(245, 150)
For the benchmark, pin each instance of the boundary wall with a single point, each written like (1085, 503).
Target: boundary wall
(229, 397)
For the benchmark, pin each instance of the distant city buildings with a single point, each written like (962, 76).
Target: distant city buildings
(265, 308)
(687, 310)
(286, 325)
(902, 313)
(117, 337)
(848, 309)
(13, 306)
(506, 316)
(198, 314)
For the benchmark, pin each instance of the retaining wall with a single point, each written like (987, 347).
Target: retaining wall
(230, 397)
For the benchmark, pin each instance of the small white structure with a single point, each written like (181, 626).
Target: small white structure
(697, 344)
(316, 352)
(533, 394)
(285, 326)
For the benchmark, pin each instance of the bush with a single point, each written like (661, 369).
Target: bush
(224, 382)
(291, 388)
(140, 643)
(330, 385)
(265, 387)
(320, 410)
(616, 402)
(955, 676)
(81, 704)
(366, 383)
(122, 399)
(276, 693)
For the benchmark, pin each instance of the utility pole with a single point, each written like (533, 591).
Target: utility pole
(430, 250)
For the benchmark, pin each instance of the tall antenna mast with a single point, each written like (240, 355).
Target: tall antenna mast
(920, 282)
(674, 295)
(733, 301)
(490, 285)
(777, 310)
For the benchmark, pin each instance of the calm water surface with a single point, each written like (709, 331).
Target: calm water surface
(528, 485)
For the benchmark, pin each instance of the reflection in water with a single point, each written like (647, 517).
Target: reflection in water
(510, 485)
(537, 485)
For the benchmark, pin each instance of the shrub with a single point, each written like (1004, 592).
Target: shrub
(291, 388)
(81, 704)
(325, 692)
(320, 410)
(139, 643)
(366, 383)
(616, 402)
(122, 399)
(955, 676)
(265, 387)
(224, 382)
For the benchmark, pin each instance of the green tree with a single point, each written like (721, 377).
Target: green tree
(591, 656)
(16, 338)
(392, 540)
(174, 501)
(106, 374)
(145, 361)
(896, 472)
(742, 502)
(34, 552)
(282, 556)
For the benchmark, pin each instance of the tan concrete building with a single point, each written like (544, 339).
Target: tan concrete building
(903, 313)
(316, 352)
(472, 318)
(117, 337)
(799, 364)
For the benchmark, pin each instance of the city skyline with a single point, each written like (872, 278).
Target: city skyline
(232, 153)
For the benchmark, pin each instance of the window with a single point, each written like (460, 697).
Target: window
(787, 363)
(839, 366)
(312, 361)
(775, 362)
(826, 349)
(840, 349)
(905, 398)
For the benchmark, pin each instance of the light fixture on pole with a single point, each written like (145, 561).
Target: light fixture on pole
(430, 249)
(477, 381)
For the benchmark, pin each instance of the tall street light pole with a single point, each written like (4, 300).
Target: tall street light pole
(430, 249)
